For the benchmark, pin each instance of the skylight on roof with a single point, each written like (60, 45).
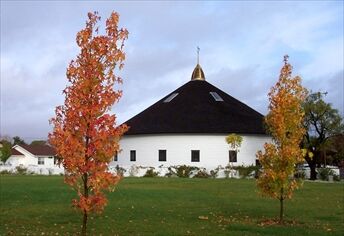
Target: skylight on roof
(216, 96)
(173, 95)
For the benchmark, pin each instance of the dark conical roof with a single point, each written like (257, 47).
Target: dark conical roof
(192, 108)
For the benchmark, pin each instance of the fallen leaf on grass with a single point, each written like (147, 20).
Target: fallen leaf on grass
(203, 217)
(269, 222)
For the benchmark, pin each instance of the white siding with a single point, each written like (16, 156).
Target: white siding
(28, 159)
(48, 161)
(16, 160)
(213, 150)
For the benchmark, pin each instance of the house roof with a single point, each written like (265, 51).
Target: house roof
(16, 152)
(38, 150)
(193, 109)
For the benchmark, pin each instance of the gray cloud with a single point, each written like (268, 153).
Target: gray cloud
(332, 84)
(241, 52)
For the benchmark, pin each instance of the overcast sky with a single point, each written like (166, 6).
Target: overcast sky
(242, 47)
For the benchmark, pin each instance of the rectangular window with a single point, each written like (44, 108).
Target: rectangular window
(216, 96)
(132, 155)
(233, 156)
(115, 158)
(162, 155)
(56, 161)
(40, 161)
(168, 99)
(194, 155)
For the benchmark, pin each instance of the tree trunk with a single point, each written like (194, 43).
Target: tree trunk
(84, 224)
(313, 172)
(85, 182)
(312, 166)
(84, 220)
(281, 207)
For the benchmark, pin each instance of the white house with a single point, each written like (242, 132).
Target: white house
(36, 158)
(189, 126)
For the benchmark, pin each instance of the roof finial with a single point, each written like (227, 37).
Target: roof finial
(285, 59)
(197, 73)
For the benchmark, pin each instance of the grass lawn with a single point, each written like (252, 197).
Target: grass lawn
(40, 205)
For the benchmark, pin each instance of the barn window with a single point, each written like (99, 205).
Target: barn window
(162, 155)
(132, 155)
(168, 99)
(216, 96)
(233, 156)
(56, 160)
(40, 161)
(115, 158)
(194, 155)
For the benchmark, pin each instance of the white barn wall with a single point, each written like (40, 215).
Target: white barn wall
(213, 150)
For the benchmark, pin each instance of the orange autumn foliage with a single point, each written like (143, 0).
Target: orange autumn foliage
(85, 134)
(284, 123)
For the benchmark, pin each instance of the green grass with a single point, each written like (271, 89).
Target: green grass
(40, 205)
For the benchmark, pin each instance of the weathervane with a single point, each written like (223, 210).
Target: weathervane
(286, 57)
(198, 49)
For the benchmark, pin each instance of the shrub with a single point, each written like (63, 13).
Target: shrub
(246, 171)
(336, 177)
(170, 172)
(202, 173)
(5, 172)
(120, 170)
(214, 173)
(21, 170)
(324, 173)
(184, 171)
(299, 174)
(151, 173)
(228, 170)
(133, 171)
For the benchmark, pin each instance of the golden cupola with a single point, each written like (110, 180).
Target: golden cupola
(198, 73)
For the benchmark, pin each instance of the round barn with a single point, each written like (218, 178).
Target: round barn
(189, 126)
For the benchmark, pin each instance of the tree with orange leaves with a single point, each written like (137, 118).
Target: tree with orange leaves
(284, 123)
(85, 135)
